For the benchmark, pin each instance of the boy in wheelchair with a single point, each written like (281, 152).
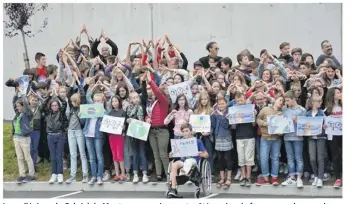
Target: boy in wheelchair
(185, 164)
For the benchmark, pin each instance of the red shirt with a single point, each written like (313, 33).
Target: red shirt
(161, 107)
(41, 74)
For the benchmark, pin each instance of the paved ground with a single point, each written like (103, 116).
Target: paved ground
(129, 194)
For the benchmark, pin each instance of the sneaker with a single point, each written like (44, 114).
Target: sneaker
(60, 178)
(92, 181)
(326, 177)
(320, 183)
(70, 180)
(100, 181)
(315, 181)
(21, 179)
(259, 176)
(306, 175)
(275, 181)
(85, 179)
(299, 183)
(189, 183)
(159, 178)
(243, 182)
(248, 182)
(312, 177)
(53, 178)
(115, 179)
(238, 175)
(145, 178)
(338, 183)
(135, 178)
(106, 176)
(261, 181)
(289, 181)
(172, 193)
(128, 177)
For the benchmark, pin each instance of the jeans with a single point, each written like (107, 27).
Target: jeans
(95, 151)
(22, 148)
(270, 148)
(209, 147)
(257, 151)
(139, 155)
(76, 137)
(127, 151)
(316, 153)
(294, 151)
(56, 147)
(35, 136)
(159, 139)
(336, 152)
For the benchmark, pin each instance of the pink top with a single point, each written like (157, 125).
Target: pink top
(181, 117)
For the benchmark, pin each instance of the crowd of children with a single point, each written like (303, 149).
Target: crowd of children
(136, 87)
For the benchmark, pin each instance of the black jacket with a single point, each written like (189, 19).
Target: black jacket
(95, 52)
(55, 122)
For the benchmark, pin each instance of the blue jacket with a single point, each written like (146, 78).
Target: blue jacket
(220, 125)
(25, 122)
(319, 114)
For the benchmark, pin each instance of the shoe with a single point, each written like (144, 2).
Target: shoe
(306, 175)
(338, 183)
(135, 178)
(259, 176)
(64, 164)
(60, 178)
(248, 182)
(85, 179)
(106, 176)
(99, 181)
(243, 182)
(145, 178)
(70, 180)
(29, 179)
(238, 175)
(159, 178)
(189, 183)
(172, 193)
(255, 169)
(312, 177)
(285, 169)
(53, 178)
(128, 177)
(299, 183)
(281, 169)
(315, 181)
(92, 181)
(115, 179)
(275, 181)
(21, 179)
(149, 172)
(261, 181)
(320, 183)
(289, 182)
(326, 177)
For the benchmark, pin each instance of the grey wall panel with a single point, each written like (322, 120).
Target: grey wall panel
(190, 26)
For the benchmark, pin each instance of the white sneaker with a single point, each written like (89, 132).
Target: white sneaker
(312, 177)
(53, 178)
(289, 182)
(326, 177)
(145, 178)
(106, 176)
(238, 175)
(135, 178)
(299, 183)
(320, 183)
(60, 178)
(315, 181)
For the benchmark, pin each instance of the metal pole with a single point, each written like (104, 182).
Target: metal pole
(151, 20)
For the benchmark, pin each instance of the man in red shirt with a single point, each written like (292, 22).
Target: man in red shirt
(41, 73)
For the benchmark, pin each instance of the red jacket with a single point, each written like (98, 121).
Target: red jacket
(161, 107)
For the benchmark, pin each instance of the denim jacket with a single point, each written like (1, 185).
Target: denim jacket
(320, 113)
(220, 125)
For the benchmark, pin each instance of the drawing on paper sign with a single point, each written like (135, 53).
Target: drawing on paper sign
(179, 89)
(138, 129)
(309, 126)
(279, 124)
(113, 125)
(334, 125)
(241, 114)
(200, 123)
(184, 147)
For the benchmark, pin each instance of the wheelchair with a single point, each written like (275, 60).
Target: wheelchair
(199, 175)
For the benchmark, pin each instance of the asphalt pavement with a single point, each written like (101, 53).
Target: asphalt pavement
(134, 195)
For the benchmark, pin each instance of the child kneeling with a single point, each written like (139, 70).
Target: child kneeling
(185, 163)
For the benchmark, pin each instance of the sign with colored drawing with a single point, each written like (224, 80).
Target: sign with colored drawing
(179, 89)
(23, 82)
(91, 111)
(113, 125)
(200, 123)
(334, 125)
(184, 147)
(279, 124)
(309, 126)
(241, 114)
(138, 129)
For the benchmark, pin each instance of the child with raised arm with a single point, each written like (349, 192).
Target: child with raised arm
(180, 163)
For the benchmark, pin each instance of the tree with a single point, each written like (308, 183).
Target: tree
(19, 15)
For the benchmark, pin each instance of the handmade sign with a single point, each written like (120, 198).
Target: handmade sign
(138, 129)
(309, 126)
(179, 89)
(91, 110)
(184, 147)
(113, 125)
(334, 125)
(241, 114)
(23, 82)
(200, 123)
(279, 124)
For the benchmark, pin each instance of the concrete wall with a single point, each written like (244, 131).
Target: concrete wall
(190, 26)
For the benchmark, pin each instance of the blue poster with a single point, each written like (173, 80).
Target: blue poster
(241, 114)
(309, 126)
(279, 124)
(23, 82)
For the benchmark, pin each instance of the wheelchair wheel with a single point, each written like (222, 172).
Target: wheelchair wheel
(168, 178)
(206, 177)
